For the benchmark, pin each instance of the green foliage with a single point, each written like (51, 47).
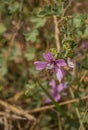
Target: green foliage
(15, 53)
(3, 66)
(38, 22)
(31, 36)
(30, 53)
(2, 28)
(84, 63)
(15, 7)
(77, 24)
(55, 9)
(86, 118)
(30, 88)
(78, 21)
(85, 35)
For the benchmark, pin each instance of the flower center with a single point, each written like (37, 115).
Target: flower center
(50, 66)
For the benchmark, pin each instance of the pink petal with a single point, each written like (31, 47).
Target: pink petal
(59, 74)
(60, 87)
(57, 98)
(40, 65)
(47, 101)
(48, 56)
(52, 84)
(61, 62)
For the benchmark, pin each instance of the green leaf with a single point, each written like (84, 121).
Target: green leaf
(2, 28)
(55, 9)
(38, 22)
(31, 36)
(30, 54)
(30, 88)
(78, 21)
(15, 7)
(3, 67)
(79, 33)
(15, 53)
(85, 35)
(33, 71)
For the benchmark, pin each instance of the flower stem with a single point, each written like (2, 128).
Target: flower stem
(58, 107)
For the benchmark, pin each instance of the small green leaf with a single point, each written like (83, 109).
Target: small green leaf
(78, 21)
(31, 36)
(15, 53)
(15, 7)
(38, 22)
(3, 67)
(2, 28)
(30, 54)
(85, 35)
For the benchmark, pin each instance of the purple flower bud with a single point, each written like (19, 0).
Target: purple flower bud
(55, 91)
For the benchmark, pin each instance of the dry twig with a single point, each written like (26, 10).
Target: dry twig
(57, 33)
(12, 116)
(61, 104)
(16, 110)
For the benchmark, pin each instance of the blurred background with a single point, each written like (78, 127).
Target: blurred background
(27, 30)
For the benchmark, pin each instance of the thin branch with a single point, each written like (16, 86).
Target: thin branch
(64, 11)
(83, 76)
(83, 118)
(16, 110)
(57, 33)
(13, 116)
(61, 104)
(67, 7)
(6, 126)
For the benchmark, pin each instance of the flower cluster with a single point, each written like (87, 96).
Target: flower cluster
(57, 66)
(56, 91)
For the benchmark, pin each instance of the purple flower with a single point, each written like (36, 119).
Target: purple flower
(55, 91)
(51, 64)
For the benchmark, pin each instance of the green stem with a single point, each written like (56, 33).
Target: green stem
(58, 107)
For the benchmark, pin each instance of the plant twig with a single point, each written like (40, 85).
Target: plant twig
(64, 11)
(83, 76)
(58, 107)
(83, 118)
(13, 116)
(16, 110)
(6, 123)
(61, 104)
(57, 33)
(36, 122)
